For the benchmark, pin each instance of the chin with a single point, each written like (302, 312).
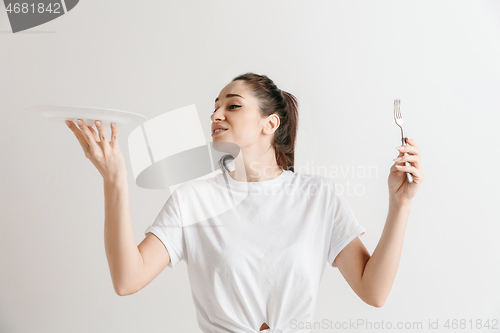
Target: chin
(221, 138)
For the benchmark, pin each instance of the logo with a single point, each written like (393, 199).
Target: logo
(24, 15)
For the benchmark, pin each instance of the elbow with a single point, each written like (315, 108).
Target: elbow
(123, 292)
(374, 300)
(377, 303)
(120, 292)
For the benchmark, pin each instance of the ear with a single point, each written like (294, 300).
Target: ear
(271, 123)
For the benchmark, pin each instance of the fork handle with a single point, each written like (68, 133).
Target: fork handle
(409, 176)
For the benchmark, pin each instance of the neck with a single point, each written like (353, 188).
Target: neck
(256, 165)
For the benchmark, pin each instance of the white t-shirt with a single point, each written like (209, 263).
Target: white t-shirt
(255, 251)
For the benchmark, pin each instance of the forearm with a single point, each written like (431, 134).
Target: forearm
(123, 255)
(380, 270)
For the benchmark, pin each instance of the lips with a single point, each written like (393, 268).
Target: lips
(219, 131)
(215, 127)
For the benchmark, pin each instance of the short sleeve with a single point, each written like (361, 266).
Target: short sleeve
(345, 227)
(168, 228)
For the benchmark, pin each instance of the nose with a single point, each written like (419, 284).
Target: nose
(217, 115)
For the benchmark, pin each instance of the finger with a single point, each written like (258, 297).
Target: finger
(96, 136)
(413, 159)
(102, 136)
(411, 142)
(79, 136)
(393, 168)
(411, 169)
(89, 137)
(114, 134)
(409, 149)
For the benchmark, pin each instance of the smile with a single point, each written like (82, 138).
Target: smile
(219, 131)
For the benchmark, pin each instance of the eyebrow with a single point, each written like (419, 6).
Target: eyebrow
(229, 95)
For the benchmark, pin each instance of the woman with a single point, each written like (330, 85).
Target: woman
(256, 266)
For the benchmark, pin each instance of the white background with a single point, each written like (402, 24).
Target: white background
(345, 61)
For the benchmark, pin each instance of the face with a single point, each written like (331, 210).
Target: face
(240, 117)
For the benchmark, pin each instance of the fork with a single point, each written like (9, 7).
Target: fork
(398, 117)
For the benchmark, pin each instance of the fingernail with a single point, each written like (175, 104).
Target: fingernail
(98, 123)
(397, 159)
(79, 122)
(400, 147)
(67, 123)
(399, 166)
(113, 125)
(409, 138)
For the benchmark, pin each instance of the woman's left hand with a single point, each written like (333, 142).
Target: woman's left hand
(400, 190)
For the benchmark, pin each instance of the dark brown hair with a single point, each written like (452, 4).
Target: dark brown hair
(285, 105)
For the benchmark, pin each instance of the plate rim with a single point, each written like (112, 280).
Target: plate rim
(92, 108)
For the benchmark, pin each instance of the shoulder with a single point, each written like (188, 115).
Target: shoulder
(312, 186)
(322, 182)
(199, 186)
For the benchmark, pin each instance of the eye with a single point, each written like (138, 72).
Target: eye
(229, 107)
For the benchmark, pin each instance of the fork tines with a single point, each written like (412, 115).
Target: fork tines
(397, 109)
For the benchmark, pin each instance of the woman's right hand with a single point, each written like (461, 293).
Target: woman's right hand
(106, 156)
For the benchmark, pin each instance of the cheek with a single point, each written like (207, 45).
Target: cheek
(245, 130)
(247, 135)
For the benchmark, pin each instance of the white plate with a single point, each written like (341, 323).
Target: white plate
(60, 113)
